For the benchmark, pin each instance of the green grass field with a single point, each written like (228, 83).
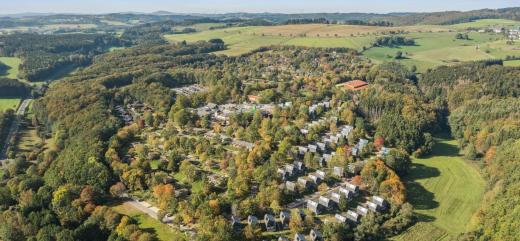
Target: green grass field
(482, 23)
(163, 232)
(445, 191)
(13, 63)
(9, 104)
(241, 40)
(435, 44)
(433, 49)
(28, 136)
(512, 63)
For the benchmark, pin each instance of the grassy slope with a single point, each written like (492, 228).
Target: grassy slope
(163, 232)
(486, 23)
(243, 39)
(434, 49)
(9, 104)
(446, 192)
(28, 135)
(13, 63)
(512, 63)
(435, 46)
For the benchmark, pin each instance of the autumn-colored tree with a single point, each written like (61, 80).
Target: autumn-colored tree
(296, 222)
(164, 194)
(379, 142)
(118, 189)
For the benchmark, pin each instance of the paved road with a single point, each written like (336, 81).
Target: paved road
(144, 207)
(14, 127)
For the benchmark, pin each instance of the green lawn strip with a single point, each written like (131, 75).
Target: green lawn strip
(512, 63)
(163, 232)
(445, 191)
(13, 63)
(9, 103)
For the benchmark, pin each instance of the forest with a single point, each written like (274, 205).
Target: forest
(122, 128)
(44, 55)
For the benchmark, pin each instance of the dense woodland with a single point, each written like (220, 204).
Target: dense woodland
(44, 55)
(13, 88)
(484, 116)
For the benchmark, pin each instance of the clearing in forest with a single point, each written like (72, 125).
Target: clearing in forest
(445, 191)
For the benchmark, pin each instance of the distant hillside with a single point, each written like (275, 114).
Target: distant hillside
(453, 17)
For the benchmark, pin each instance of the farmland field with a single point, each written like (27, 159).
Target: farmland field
(445, 192)
(243, 39)
(486, 23)
(435, 45)
(434, 49)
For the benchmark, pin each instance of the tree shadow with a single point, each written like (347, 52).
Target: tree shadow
(419, 197)
(445, 149)
(4, 69)
(419, 171)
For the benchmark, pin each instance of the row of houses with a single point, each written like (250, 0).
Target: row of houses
(222, 113)
(376, 205)
(331, 203)
(269, 222)
(314, 234)
(190, 89)
(313, 108)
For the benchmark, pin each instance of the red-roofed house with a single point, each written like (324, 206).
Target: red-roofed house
(355, 85)
(253, 98)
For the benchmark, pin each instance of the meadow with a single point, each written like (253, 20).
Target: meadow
(13, 63)
(445, 191)
(9, 103)
(433, 49)
(163, 231)
(435, 44)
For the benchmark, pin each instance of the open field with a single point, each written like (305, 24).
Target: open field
(9, 104)
(435, 45)
(27, 135)
(512, 63)
(13, 63)
(445, 191)
(243, 39)
(483, 23)
(433, 49)
(163, 232)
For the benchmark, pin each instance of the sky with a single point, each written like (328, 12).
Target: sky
(255, 6)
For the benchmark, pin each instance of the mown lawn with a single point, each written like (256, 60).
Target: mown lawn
(445, 191)
(163, 232)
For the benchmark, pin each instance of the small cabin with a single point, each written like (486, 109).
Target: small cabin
(285, 217)
(270, 222)
(299, 237)
(314, 207)
(352, 216)
(361, 210)
(339, 172)
(316, 235)
(340, 218)
(252, 220)
(290, 186)
(321, 174)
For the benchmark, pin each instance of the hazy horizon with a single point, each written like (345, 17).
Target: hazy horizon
(232, 6)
